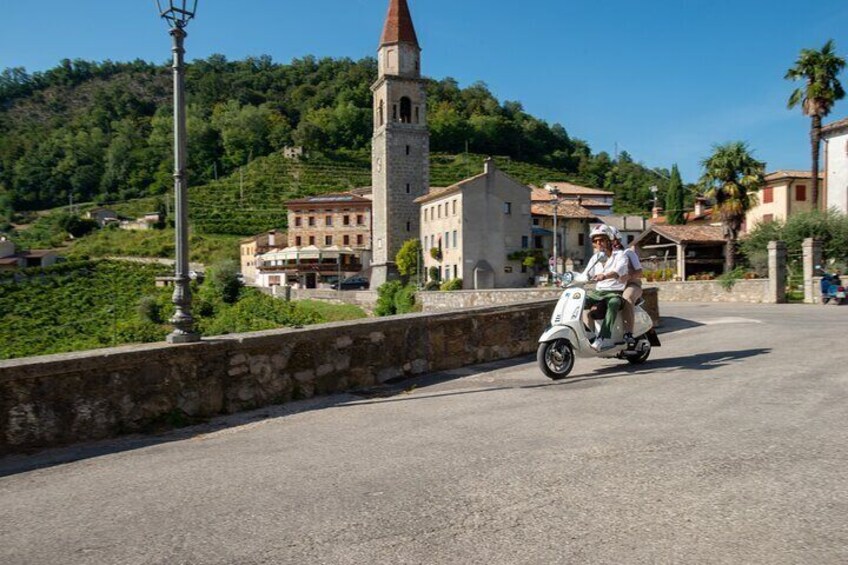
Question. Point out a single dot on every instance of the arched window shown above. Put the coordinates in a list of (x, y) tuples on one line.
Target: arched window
[(405, 110), (380, 114)]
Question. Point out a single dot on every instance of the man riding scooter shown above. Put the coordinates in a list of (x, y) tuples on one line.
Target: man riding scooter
[(608, 268)]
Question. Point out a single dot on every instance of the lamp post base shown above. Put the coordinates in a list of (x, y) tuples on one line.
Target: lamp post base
[(182, 337)]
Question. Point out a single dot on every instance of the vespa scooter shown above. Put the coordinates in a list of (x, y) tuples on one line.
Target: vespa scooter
[(568, 336)]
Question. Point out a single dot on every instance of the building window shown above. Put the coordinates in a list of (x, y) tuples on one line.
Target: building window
[(581, 239), (406, 110), (417, 115), (454, 239), (535, 221), (768, 195), (439, 211), (346, 220), (328, 220), (408, 226), (359, 239), (380, 113), (507, 208), (801, 193), (311, 240), (360, 219), (407, 149), (408, 188), (297, 221), (311, 221), (630, 239), (447, 240), (525, 242), (454, 207), (328, 240), (298, 241)]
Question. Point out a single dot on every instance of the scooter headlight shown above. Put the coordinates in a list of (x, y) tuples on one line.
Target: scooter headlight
[(567, 278)]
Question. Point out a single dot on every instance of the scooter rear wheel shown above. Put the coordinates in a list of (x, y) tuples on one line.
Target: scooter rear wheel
[(555, 358)]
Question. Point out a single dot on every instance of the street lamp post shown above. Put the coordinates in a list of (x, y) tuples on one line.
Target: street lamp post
[(178, 13), (554, 191)]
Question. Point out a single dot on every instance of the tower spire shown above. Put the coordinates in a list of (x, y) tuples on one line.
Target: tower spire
[(398, 27)]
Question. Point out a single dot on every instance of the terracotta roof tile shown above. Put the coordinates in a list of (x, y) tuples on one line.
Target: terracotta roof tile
[(834, 126), (791, 174), (690, 234), (398, 27), (564, 210)]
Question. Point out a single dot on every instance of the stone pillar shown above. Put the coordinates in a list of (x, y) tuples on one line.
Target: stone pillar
[(812, 257), (777, 272), (681, 261)]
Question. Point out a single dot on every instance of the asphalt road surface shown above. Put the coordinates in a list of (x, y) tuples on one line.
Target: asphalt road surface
[(728, 446)]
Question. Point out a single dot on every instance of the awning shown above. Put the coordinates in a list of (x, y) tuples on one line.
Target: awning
[(542, 231)]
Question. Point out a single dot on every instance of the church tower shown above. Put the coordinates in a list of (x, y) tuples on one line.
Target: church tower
[(400, 154)]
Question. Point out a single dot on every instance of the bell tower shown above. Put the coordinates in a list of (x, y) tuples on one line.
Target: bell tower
[(400, 154)]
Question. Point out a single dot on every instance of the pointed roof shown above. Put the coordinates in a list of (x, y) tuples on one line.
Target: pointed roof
[(398, 27)]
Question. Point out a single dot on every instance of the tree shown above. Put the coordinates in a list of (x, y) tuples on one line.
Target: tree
[(731, 176), (674, 200), (409, 258), (819, 69)]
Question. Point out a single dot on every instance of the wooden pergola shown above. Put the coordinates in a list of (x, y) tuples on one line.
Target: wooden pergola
[(691, 249)]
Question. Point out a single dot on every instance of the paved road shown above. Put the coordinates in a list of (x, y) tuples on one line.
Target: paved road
[(728, 447)]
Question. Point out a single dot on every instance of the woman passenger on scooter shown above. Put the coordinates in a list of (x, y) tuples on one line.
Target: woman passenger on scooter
[(608, 268), (633, 291)]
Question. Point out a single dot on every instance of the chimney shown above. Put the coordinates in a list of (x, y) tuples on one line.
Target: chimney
[(656, 212), (580, 200), (489, 166), (699, 207), (272, 239)]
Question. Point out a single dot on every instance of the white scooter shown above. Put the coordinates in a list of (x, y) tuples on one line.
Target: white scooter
[(568, 337)]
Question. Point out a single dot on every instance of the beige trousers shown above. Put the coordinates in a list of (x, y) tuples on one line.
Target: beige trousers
[(632, 294)]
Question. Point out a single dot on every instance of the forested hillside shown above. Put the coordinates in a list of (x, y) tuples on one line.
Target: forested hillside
[(101, 132)]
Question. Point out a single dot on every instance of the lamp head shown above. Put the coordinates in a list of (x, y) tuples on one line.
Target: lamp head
[(177, 12)]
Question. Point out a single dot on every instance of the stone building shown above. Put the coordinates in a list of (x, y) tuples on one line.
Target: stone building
[(474, 226), (834, 192), (573, 222), (400, 160), (597, 201)]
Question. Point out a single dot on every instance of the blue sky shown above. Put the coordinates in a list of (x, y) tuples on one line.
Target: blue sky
[(661, 79)]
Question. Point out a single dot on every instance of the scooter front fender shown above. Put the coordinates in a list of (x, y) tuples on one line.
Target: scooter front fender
[(559, 332)]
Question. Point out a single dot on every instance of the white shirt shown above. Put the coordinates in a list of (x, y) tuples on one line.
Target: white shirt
[(617, 264), (633, 257)]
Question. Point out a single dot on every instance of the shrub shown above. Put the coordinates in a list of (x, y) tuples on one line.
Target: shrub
[(436, 253), (223, 279), (729, 279), (453, 284), (386, 298), (434, 274), (149, 310), (432, 285), (405, 300)]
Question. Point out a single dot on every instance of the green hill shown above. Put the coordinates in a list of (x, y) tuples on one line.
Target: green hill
[(102, 133), (91, 304)]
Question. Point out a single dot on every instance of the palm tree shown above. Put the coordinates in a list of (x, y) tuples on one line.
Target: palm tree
[(731, 178), (819, 69)]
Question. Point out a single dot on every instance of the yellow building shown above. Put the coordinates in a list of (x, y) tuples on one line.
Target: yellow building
[(785, 193)]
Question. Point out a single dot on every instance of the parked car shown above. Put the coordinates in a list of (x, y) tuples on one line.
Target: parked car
[(352, 283)]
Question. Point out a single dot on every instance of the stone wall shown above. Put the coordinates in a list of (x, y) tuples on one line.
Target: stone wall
[(61, 399), (748, 291), (463, 299)]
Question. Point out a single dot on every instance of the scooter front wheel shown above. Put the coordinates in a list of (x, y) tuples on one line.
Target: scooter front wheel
[(555, 358)]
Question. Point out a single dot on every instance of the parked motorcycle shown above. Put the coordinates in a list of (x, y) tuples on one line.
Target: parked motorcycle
[(568, 337), (835, 291)]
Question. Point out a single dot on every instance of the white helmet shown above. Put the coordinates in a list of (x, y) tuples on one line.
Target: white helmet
[(601, 230), (615, 233)]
